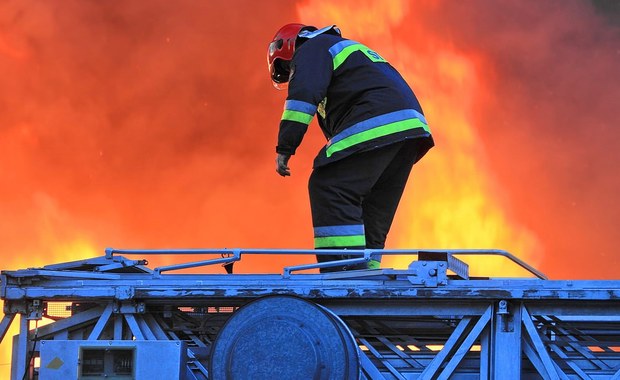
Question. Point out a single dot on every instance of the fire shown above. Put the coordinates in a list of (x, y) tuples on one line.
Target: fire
[(153, 125), (453, 200)]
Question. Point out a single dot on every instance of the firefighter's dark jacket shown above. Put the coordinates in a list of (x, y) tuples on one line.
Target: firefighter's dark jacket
[(362, 102)]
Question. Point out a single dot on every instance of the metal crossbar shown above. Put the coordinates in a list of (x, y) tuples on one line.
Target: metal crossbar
[(233, 255)]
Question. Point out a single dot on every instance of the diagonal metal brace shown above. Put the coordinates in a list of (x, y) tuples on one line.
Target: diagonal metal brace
[(5, 324), (327, 264)]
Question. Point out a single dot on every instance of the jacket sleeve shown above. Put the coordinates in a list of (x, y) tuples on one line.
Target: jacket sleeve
[(311, 71)]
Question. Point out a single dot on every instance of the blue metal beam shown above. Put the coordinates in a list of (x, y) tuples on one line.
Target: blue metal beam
[(6, 323), (431, 370), (541, 351), (465, 346), (506, 341), (534, 358), (20, 350), (133, 326), (369, 368), (101, 322), (145, 286), (79, 319)]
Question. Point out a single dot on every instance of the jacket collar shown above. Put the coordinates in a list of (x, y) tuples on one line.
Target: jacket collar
[(332, 29)]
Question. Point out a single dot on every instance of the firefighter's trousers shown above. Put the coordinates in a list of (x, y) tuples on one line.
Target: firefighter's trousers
[(353, 200)]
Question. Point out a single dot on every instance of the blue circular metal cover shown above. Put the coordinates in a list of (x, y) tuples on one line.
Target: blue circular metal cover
[(284, 337)]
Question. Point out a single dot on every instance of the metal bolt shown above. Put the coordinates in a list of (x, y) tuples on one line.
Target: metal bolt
[(502, 307)]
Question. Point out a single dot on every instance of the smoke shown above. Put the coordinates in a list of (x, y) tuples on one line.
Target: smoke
[(547, 119), (521, 99), (153, 125), (139, 124)]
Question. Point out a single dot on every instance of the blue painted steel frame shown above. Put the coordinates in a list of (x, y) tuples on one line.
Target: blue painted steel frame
[(484, 328)]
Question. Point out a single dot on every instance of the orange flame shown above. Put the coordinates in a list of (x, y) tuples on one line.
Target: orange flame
[(453, 201), (152, 125)]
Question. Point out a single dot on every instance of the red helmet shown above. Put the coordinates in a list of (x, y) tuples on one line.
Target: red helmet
[(280, 54)]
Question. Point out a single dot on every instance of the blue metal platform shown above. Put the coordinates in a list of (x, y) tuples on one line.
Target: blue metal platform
[(114, 317)]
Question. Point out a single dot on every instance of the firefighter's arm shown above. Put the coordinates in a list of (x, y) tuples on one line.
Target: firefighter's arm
[(311, 72)]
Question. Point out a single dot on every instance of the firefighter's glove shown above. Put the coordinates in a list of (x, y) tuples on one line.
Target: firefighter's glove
[(282, 164)]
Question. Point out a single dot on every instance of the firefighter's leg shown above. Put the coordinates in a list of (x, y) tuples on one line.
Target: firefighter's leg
[(336, 193), (336, 215), (379, 206)]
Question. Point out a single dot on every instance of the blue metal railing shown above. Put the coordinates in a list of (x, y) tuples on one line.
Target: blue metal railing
[(233, 255)]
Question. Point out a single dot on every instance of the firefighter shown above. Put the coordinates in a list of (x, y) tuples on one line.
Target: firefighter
[(375, 129)]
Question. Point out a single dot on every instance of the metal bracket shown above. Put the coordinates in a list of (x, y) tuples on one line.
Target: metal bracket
[(431, 268), (129, 308), (428, 273), (458, 267), (35, 310), (506, 317), (15, 307), (121, 263)]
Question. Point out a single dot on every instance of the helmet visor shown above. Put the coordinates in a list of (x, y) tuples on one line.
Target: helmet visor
[(281, 72)]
